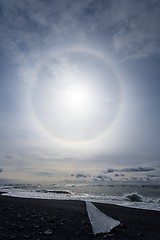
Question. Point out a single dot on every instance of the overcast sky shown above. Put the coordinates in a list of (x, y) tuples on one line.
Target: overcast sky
[(79, 89)]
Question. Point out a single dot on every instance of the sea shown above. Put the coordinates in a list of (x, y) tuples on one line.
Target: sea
[(128, 195)]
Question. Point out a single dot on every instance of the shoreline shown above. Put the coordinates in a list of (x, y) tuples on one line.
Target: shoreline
[(26, 218)]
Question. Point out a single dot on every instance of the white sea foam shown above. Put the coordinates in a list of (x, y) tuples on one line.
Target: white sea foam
[(133, 200)]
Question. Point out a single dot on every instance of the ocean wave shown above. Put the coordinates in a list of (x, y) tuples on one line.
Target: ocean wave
[(134, 197)]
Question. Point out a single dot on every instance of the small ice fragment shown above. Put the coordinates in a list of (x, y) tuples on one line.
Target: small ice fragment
[(48, 232), (101, 223)]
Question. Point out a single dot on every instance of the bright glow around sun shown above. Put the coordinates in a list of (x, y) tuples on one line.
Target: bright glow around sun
[(76, 96), (70, 95)]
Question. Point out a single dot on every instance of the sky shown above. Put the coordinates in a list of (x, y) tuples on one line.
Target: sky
[(79, 90)]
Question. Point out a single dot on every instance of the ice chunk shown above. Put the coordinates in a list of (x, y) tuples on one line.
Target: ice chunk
[(101, 223)]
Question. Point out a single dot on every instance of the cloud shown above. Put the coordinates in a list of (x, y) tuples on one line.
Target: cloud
[(101, 178), (44, 174), (137, 35), (131, 34), (1, 170), (28, 25), (9, 155), (81, 175), (135, 169), (116, 175)]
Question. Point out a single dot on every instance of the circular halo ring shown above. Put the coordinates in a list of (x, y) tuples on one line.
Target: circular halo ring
[(104, 60)]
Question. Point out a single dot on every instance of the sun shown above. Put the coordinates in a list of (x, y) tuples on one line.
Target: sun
[(76, 96), (70, 92)]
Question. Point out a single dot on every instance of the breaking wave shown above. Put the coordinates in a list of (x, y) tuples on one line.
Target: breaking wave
[(134, 197)]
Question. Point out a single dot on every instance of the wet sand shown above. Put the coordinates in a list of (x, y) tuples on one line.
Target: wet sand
[(37, 219)]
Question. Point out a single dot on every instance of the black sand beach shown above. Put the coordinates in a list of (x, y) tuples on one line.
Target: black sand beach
[(56, 219)]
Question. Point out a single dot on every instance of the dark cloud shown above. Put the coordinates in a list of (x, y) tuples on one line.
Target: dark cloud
[(9, 156), (44, 174), (136, 169), (116, 175), (81, 175)]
